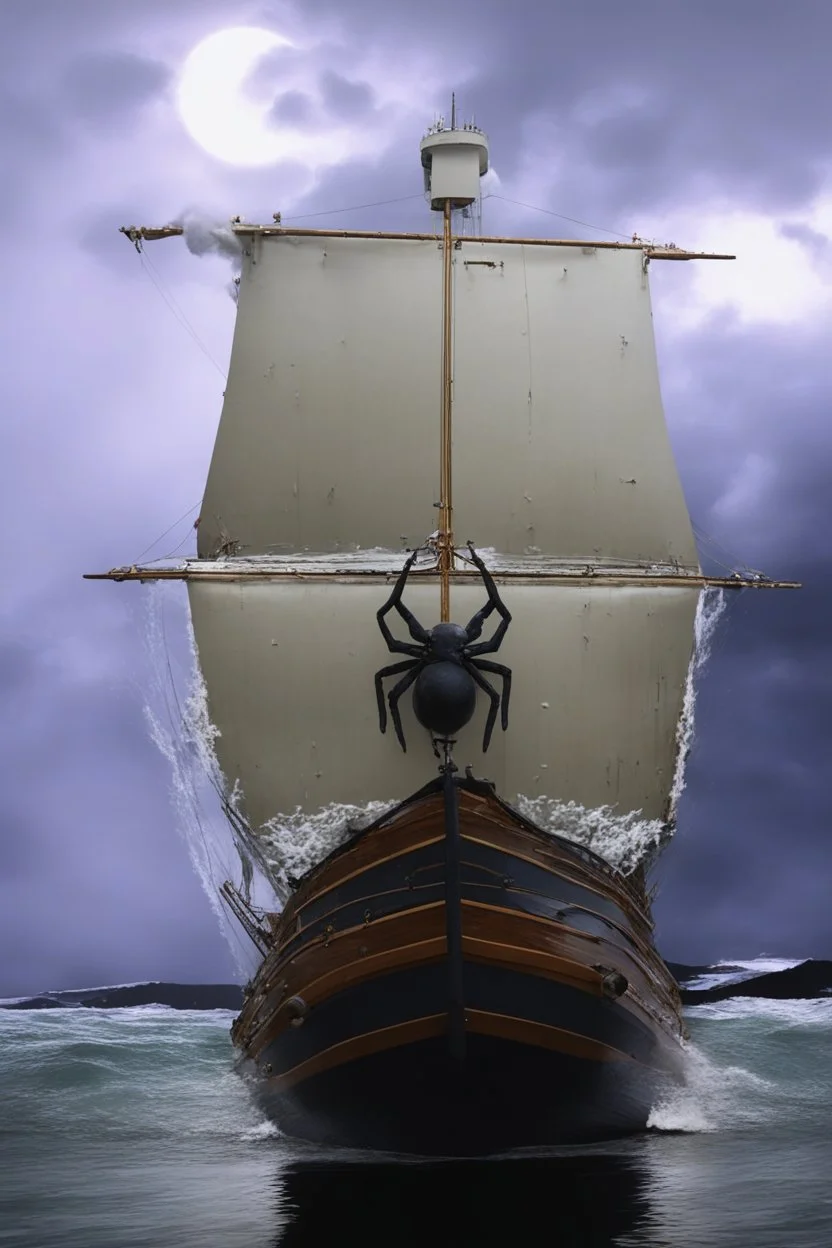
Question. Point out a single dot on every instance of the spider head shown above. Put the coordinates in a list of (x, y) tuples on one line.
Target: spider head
[(447, 642)]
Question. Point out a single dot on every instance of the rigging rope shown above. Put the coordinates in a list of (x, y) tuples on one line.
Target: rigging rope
[(331, 212), (574, 220), (168, 530), (176, 311), (712, 546)]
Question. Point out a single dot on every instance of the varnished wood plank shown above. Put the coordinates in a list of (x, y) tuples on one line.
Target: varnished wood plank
[(491, 936), (333, 952), (355, 870), (511, 928), (421, 823), (485, 821), (491, 826), (545, 924), (540, 1035), (478, 1022), (358, 972), (329, 953), (362, 1046)]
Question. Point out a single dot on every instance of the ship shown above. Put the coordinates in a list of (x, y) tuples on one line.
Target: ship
[(444, 603)]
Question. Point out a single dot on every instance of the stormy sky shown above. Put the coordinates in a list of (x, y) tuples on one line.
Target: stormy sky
[(700, 122)]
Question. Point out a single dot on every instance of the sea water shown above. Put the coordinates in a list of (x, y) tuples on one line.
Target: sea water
[(130, 1127)]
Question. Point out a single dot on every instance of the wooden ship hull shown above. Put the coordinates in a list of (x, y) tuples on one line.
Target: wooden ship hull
[(455, 981)]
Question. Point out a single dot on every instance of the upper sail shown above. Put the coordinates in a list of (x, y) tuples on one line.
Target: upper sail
[(329, 437)]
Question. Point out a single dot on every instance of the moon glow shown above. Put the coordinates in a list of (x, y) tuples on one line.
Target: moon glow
[(232, 126)]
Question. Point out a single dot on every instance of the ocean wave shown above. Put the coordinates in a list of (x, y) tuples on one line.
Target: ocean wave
[(789, 1011), (736, 970), (712, 1098)]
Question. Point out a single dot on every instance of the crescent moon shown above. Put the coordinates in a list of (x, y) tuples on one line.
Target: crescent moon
[(218, 116)]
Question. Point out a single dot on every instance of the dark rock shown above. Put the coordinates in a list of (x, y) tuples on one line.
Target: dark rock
[(33, 1003), (177, 996), (810, 979), (682, 973)]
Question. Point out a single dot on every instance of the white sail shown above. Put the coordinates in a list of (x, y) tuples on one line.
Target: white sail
[(329, 437), (329, 432), (598, 682), (329, 443)]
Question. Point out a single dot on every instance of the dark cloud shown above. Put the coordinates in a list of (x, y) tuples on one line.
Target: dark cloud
[(817, 244), (94, 885), (105, 89), (293, 107), (346, 100), (745, 874)]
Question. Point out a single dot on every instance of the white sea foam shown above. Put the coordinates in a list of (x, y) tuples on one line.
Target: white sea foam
[(736, 971), (789, 1012), (709, 611), (294, 844), (712, 1097), (262, 1131), (624, 841)]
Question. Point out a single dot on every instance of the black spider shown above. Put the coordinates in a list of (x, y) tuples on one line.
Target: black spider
[(444, 665)]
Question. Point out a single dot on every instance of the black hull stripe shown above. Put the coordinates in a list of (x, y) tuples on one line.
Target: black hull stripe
[(558, 909), (421, 991), (481, 864)]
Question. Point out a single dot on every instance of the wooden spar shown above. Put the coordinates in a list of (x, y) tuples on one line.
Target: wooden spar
[(653, 252), (150, 233), (613, 580), (446, 521)]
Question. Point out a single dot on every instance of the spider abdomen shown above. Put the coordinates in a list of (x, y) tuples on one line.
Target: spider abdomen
[(444, 698)]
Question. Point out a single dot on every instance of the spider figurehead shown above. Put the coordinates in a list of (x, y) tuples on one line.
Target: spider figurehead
[(444, 665)]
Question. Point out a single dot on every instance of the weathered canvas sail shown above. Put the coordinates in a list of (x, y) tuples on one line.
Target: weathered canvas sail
[(329, 438), (598, 679), (329, 442)]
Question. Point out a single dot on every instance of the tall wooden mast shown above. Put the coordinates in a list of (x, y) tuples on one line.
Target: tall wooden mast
[(454, 160)]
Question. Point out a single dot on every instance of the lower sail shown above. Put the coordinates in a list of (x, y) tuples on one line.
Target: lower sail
[(454, 981)]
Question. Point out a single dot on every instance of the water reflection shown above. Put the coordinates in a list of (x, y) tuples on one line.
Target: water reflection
[(585, 1200)]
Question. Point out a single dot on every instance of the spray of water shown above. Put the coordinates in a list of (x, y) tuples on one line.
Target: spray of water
[(624, 841), (709, 611), (205, 236), (181, 728), (294, 844), (712, 1097)]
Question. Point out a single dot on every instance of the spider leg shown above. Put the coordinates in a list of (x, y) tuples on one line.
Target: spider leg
[(392, 670), (418, 633), (499, 669), (495, 702), (495, 603), (393, 698)]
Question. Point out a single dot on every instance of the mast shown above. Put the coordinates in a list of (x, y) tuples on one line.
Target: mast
[(454, 161), (446, 515)]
